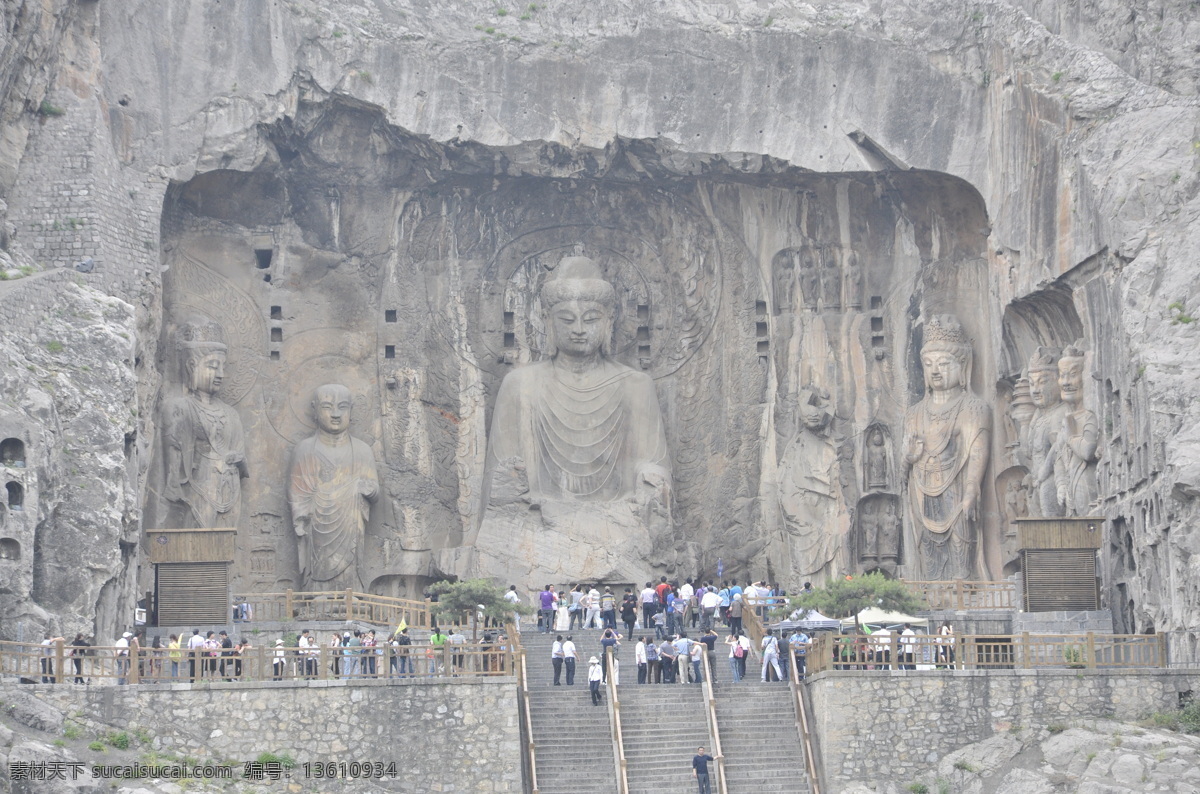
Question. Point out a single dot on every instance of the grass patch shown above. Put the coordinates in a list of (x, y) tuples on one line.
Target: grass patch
[(120, 740), (1056, 728), (1185, 720), (283, 759), (963, 765), (96, 746), (46, 109), (918, 788), (71, 731), (54, 346)]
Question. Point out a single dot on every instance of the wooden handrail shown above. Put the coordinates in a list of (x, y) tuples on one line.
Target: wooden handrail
[(810, 760), (526, 718), (713, 729), (614, 716)]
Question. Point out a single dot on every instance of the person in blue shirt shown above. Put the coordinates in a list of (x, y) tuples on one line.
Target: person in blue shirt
[(700, 764)]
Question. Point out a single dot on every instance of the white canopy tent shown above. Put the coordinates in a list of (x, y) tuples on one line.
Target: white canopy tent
[(878, 616)]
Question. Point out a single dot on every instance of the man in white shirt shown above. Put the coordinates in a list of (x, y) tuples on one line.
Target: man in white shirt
[(512, 598), (907, 647), (639, 656), (649, 600), (556, 658), (570, 656), (708, 608), (195, 652), (882, 640)]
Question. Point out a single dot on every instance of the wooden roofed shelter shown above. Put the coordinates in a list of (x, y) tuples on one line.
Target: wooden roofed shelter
[(192, 574)]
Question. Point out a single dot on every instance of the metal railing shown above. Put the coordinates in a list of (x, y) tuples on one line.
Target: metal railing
[(614, 716), (810, 756), (959, 595), (713, 729), (995, 652), (346, 605), (59, 663)]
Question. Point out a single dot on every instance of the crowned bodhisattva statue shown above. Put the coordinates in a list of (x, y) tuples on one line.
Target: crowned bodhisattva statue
[(577, 481), (205, 448), (946, 441)]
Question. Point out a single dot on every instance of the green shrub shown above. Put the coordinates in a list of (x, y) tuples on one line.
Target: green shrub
[(284, 759), (119, 740), (97, 747)]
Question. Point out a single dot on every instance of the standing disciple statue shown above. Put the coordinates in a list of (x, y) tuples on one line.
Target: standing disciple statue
[(333, 485), (205, 447), (947, 437), (808, 493), (1078, 439), (577, 479), (1042, 431)]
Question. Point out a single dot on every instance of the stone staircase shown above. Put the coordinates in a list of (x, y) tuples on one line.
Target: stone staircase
[(571, 737), (762, 747), (662, 725)]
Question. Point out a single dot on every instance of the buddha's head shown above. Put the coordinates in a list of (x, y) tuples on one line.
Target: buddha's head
[(202, 350), (580, 307), (331, 407), (946, 354)]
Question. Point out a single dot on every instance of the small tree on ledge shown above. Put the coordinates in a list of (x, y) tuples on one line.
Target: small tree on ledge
[(846, 597), (475, 597)]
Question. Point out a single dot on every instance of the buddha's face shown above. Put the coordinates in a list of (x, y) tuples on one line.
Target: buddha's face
[(1043, 388), (812, 416), (580, 327), (1070, 379), (207, 372), (943, 371), (332, 408)]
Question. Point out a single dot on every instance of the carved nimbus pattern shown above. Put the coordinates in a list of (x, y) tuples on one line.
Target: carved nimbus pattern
[(201, 290)]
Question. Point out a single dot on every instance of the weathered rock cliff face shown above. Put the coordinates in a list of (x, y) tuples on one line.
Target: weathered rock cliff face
[(782, 194)]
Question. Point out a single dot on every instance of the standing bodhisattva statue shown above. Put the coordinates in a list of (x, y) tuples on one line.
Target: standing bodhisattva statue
[(332, 487), (205, 449), (946, 442), (578, 477)]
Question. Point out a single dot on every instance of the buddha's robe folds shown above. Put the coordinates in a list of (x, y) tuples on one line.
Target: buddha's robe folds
[(577, 482), (331, 490)]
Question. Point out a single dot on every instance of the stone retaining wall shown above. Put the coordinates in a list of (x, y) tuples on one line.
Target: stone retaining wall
[(876, 726), (443, 735)]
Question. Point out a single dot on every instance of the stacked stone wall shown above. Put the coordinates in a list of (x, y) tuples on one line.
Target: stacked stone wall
[(899, 725), (442, 736)]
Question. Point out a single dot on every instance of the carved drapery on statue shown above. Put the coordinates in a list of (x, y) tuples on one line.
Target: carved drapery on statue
[(332, 486), (1077, 445), (205, 450), (1039, 438), (577, 471), (947, 439), (808, 492)]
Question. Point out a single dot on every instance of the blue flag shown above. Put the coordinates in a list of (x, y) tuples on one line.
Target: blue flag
[(720, 568)]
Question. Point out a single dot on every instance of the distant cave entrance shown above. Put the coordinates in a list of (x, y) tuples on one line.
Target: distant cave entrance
[(16, 495), (12, 452), (10, 549)]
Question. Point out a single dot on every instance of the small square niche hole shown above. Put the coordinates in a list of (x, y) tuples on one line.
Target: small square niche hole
[(643, 312), (262, 258), (389, 351), (274, 355), (276, 334), (877, 341), (764, 347), (876, 302), (877, 324), (510, 339), (760, 329), (276, 312), (389, 316), (267, 278), (508, 319), (760, 308)]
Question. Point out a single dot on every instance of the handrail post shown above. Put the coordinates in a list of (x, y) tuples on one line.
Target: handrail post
[(131, 675), (1026, 651), (1091, 650), (810, 762), (1163, 660), (287, 605), (59, 659), (349, 605), (958, 593)]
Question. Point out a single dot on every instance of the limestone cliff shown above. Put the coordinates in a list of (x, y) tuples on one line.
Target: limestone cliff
[(370, 181)]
